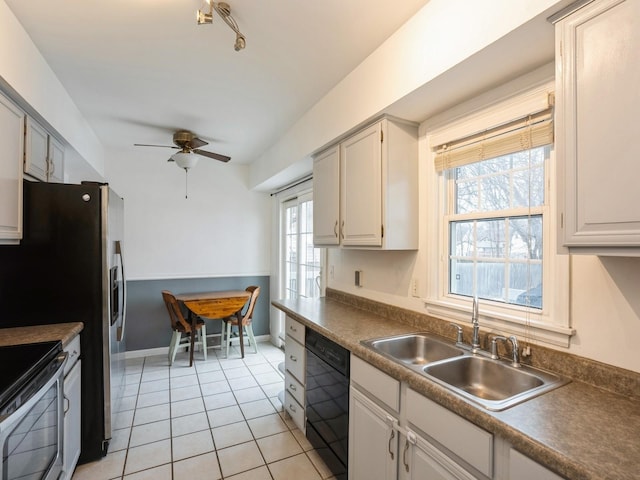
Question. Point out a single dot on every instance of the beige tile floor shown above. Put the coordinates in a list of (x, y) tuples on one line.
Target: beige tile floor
[(218, 420)]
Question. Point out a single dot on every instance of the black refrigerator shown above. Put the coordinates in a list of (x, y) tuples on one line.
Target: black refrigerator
[(69, 268)]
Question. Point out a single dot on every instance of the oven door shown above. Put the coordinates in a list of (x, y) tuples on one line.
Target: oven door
[(31, 427)]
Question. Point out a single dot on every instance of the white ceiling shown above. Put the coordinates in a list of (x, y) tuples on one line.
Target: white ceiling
[(140, 69)]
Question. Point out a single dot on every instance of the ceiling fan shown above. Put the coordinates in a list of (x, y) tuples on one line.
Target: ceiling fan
[(189, 146)]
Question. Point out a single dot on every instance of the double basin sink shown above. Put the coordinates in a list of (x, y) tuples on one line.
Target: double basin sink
[(493, 384)]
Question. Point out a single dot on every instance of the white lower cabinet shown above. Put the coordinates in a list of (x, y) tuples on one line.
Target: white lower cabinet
[(295, 364), (421, 460), (373, 440), (72, 396)]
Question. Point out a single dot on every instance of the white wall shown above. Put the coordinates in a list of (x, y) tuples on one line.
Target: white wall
[(25, 71), (443, 34), (222, 229)]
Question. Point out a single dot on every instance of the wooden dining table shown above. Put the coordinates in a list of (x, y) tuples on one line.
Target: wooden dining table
[(216, 304)]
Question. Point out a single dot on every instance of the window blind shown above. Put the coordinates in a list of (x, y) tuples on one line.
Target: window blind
[(528, 132)]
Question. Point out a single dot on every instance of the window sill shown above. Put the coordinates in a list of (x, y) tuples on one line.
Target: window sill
[(495, 320)]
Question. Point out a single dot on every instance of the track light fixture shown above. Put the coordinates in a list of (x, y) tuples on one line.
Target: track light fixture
[(224, 10)]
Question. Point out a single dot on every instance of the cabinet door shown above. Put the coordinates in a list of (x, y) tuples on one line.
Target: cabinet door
[(421, 460), (326, 197), (598, 100), (361, 188), (36, 150), (71, 420), (12, 141), (56, 161), (373, 440)]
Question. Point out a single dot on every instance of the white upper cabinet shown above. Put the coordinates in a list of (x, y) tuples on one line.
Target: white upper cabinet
[(44, 155), (36, 157), (378, 189), (598, 98), (56, 161), (12, 141), (326, 197)]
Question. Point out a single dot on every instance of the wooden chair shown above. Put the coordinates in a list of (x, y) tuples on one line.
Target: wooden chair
[(181, 326), (243, 322)]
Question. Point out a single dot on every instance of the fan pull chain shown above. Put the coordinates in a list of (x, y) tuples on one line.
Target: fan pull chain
[(186, 183)]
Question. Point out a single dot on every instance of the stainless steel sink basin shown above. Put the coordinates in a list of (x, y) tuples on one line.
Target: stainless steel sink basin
[(494, 384), (414, 349)]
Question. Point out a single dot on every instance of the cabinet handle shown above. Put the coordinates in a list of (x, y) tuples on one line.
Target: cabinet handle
[(335, 229), (393, 435), (293, 358), (292, 408), (404, 455), (342, 230), (292, 387), (68, 404), (292, 328)]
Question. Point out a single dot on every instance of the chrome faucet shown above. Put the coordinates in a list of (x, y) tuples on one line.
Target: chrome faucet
[(515, 354), (475, 341)]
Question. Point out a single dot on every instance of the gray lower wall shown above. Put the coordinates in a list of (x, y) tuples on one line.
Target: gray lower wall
[(148, 324)]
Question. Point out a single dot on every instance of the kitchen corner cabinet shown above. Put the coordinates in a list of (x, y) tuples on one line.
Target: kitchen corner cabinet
[(12, 141), (44, 155), (378, 189), (597, 75)]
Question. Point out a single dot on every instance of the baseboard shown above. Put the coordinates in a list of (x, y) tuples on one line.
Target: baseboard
[(165, 350)]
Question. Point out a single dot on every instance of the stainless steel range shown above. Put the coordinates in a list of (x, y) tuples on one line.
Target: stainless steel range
[(31, 411)]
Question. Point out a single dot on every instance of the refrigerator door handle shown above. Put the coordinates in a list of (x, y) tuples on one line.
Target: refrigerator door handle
[(124, 291)]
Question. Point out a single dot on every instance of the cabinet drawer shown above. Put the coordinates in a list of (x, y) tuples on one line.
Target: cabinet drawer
[(469, 442), (523, 468), (295, 410), (294, 387), (294, 359), (379, 384), (294, 329)]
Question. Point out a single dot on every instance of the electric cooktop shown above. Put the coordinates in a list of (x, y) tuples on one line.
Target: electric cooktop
[(20, 363)]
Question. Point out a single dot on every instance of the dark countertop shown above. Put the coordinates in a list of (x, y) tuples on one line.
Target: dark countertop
[(578, 430), (40, 333)]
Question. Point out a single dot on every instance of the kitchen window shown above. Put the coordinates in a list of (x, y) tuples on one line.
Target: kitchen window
[(491, 219)]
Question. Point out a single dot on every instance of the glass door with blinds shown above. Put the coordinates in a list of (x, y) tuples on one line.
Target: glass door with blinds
[(301, 262)]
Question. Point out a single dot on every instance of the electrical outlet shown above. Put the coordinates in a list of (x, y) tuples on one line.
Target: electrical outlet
[(414, 287), (331, 272), (358, 278)]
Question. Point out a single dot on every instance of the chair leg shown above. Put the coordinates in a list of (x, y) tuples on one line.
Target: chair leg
[(252, 339), (173, 346), (228, 339), (203, 340)]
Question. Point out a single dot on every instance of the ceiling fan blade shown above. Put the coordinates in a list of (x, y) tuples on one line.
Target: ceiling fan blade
[(147, 145), (216, 156), (197, 143)]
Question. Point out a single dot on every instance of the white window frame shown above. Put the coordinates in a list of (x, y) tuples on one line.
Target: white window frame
[(306, 196), (552, 323)]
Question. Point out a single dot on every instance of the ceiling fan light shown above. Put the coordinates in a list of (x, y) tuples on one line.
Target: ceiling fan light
[(185, 160), (240, 42)]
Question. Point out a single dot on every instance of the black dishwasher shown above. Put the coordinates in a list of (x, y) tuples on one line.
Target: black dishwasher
[(327, 401)]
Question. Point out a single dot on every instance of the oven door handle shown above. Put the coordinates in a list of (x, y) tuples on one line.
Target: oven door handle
[(7, 423)]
